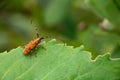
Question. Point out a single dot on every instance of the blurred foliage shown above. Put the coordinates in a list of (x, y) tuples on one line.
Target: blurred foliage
[(93, 23), (107, 9)]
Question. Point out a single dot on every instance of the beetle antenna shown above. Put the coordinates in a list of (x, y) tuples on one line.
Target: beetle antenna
[(36, 29), (37, 33)]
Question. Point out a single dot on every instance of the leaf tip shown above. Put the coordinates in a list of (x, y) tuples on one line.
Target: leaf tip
[(106, 56), (82, 47)]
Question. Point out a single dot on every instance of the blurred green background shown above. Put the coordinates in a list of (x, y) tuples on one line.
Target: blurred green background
[(92, 23)]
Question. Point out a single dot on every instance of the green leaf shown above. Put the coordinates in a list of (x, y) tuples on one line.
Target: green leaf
[(57, 62), (56, 11)]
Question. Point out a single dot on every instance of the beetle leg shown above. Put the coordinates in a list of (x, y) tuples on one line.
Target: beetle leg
[(42, 47)]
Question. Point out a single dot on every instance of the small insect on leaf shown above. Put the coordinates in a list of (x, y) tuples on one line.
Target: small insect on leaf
[(32, 44)]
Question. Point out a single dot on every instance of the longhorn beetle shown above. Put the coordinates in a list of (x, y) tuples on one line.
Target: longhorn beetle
[(32, 44)]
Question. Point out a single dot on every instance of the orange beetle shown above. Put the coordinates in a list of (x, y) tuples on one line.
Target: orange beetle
[(32, 44)]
